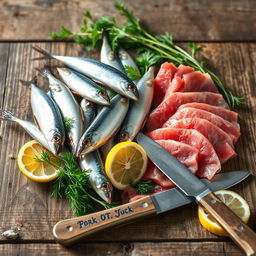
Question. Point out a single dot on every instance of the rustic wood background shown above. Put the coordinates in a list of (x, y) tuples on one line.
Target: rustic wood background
[(226, 29)]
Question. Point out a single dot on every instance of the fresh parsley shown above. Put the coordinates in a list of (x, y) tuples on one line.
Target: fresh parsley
[(151, 48), (132, 72), (68, 123)]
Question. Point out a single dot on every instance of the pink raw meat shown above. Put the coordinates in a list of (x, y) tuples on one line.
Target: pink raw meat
[(226, 114), (208, 161), (219, 139), (169, 106), (223, 124), (162, 81), (192, 82), (182, 70), (186, 154)]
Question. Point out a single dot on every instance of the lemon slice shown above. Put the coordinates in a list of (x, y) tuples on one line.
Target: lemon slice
[(234, 201), (41, 172), (125, 164)]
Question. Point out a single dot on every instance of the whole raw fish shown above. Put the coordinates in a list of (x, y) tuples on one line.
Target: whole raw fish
[(29, 127), (109, 76), (83, 86), (47, 117), (92, 162), (104, 126), (89, 109), (69, 108), (138, 111)]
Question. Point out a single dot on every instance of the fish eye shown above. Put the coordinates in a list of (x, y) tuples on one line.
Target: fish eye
[(86, 141), (56, 139)]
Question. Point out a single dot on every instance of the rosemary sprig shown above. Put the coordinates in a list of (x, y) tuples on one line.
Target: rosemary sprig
[(73, 184), (152, 48)]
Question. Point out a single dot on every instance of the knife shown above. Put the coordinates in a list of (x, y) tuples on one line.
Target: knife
[(193, 187), (72, 230)]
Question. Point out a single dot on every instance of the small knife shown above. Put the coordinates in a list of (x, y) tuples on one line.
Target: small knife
[(193, 187), (72, 230)]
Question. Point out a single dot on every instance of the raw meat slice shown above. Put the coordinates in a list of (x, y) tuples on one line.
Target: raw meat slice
[(226, 114), (208, 161), (169, 106), (192, 82), (186, 154), (219, 139), (162, 81), (223, 124), (182, 70)]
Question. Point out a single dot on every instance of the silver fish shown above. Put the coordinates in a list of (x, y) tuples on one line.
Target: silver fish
[(104, 126), (29, 127), (47, 117), (69, 108), (127, 60), (138, 111), (108, 56), (104, 150), (109, 76), (89, 110), (92, 162), (83, 86)]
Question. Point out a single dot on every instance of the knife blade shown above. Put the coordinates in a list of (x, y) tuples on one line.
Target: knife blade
[(193, 187), (72, 230)]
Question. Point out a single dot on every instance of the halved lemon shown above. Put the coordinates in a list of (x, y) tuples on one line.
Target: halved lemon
[(234, 201), (125, 164), (41, 172)]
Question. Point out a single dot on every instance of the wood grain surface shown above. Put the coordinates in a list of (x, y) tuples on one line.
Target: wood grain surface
[(28, 206), (124, 249), (197, 20)]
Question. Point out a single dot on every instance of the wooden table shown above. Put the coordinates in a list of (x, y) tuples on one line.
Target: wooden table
[(226, 29)]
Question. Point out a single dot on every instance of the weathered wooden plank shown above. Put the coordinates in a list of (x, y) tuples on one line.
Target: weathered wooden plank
[(186, 20), (28, 205), (124, 249)]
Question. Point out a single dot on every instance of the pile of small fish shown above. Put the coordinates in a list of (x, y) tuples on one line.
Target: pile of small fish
[(104, 117)]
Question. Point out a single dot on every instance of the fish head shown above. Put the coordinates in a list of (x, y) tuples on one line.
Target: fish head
[(56, 142), (104, 97), (123, 136), (105, 190), (130, 89), (83, 146)]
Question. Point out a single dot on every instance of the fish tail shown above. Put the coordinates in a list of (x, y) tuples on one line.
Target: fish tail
[(6, 115), (44, 71), (46, 54), (28, 83)]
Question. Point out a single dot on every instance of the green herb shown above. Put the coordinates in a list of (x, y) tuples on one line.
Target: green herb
[(144, 187), (73, 184), (68, 123), (132, 72), (152, 48), (194, 48)]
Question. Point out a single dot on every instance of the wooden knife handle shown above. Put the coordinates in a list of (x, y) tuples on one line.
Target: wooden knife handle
[(234, 226), (69, 231)]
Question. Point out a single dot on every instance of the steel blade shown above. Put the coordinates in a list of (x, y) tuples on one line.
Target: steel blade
[(173, 168), (174, 197)]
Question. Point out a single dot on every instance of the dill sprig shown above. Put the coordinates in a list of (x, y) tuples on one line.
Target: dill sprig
[(73, 184), (144, 187), (152, 48), (68, 123)]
